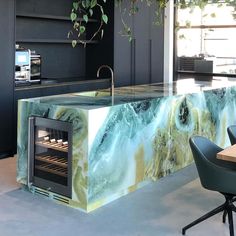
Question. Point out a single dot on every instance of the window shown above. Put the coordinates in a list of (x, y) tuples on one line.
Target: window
[(205, 39)]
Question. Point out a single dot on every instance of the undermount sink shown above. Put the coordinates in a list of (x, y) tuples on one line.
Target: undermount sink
[(99, 93)]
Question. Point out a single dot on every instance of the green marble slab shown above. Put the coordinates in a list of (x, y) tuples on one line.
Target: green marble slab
[(140, 136)]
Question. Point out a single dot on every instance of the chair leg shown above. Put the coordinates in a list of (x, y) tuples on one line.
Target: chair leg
[(224, 216), (231, 223), (204, 217)]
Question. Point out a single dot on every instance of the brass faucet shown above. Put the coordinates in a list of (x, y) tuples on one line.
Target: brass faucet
[(112, 77)]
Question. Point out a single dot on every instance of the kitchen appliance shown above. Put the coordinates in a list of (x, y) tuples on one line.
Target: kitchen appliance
[(22, 64), (35, 67), (50, 155)]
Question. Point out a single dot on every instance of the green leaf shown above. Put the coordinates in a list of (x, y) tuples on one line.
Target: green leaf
[(75, 5), (90, 12), (73, 16), (76, 25), (84, 4), (105, 18), (93, 3), (74, 43), (82, 29), (85, 17), (87, 3)]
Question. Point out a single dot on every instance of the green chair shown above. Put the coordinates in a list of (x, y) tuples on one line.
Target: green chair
[(216, 175), (232, 134)]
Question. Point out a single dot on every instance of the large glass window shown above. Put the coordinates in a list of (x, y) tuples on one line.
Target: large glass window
[(206, 38)]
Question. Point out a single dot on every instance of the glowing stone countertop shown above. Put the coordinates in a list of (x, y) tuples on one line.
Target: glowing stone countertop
[(128, 94), (139, 135)]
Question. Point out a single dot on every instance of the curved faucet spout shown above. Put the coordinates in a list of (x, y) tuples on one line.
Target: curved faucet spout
[(112, 77)]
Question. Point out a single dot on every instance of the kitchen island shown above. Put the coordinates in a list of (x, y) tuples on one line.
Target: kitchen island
[(140, 134)]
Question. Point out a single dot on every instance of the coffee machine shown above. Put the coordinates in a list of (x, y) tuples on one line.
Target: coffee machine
[(22, 64), (35, 67)]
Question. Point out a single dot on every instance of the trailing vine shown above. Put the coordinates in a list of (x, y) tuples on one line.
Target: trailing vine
[(83, 11), (133, 8)]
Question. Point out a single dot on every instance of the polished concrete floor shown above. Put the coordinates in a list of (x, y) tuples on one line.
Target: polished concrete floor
[(158, 209)]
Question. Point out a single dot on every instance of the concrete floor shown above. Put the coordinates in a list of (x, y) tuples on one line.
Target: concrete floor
[(161, 209)]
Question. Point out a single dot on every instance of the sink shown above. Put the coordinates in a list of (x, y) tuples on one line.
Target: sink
[(99, 93)]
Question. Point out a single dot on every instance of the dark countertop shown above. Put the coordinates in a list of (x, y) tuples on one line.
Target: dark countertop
[(50, 83)]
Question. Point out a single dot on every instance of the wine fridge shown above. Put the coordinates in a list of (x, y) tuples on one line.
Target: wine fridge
[(50, 155)]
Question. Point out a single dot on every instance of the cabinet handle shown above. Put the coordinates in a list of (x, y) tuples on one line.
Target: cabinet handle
[(150, 61), (133, 62), (30, 150)]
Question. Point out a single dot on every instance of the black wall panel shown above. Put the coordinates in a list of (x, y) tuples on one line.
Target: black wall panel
[(7, 49), (42, 28), (47, 7), (60, 60)]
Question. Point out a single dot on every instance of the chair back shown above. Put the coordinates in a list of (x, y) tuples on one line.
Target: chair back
[(204, 154), (232, 134)]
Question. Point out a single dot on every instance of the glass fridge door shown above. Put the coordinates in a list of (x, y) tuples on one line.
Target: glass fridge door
[(50, 155)]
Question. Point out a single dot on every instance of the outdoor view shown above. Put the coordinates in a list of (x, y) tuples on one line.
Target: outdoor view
[(206, 39)]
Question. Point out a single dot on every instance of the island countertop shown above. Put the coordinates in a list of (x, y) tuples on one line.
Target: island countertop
[(122, 95), (140, 134)]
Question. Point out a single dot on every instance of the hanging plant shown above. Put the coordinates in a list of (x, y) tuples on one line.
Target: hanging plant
[(133, 8), (83, 11)]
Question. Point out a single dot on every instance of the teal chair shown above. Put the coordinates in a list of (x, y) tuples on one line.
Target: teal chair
[(232, 134), (216, 175)]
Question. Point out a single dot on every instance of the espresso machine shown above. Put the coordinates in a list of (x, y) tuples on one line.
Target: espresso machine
[(22, 64)]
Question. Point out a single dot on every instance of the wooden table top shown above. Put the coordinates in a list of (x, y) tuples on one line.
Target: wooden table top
[(228, 154)]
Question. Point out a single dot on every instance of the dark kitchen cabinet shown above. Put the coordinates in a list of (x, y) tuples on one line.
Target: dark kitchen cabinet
[(7, 49), (156, 49), (59, 59), (122, 50), (42, 26), (141, 60), (141, 45)]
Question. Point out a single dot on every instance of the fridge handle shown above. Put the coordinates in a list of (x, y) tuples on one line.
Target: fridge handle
[(31, 125)]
